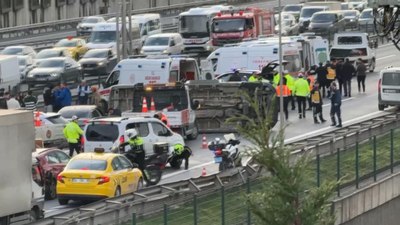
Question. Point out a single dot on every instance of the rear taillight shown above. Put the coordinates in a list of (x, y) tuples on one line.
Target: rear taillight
[(379, 85), (104, 179), (60, 179), (121, 139), (218, 152)]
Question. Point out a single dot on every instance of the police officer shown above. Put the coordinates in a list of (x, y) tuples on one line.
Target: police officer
[(316, 100), (336, 102), (182, 152), (72, 132), (302, 91), (255, 77), (136, 154)]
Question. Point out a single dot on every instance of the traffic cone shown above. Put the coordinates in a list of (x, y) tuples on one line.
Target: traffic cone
[(144, 105), (204, 144), (152, 105), (203, 172), (38, 122)]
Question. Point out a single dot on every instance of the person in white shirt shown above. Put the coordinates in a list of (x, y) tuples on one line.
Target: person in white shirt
[(83, 93), (13, 103)]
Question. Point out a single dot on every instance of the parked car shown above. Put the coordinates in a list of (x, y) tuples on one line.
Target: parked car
[(366, 21), (305, 16), (165, 43), (76, 46), (51, 162), (389, 88), (293, 9), (51, 53), (51, 129), (86, 25), (25, 64), (55, 70), (83, 112), (327, 23), (351, 18), (98, 62), (20, 50), (96, 175)]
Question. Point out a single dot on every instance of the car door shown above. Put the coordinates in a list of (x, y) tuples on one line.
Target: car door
[(160, 132), (144, 132), (118, 174), (131, 176)]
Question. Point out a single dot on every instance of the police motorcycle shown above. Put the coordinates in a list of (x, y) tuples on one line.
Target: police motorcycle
[(227, 152)]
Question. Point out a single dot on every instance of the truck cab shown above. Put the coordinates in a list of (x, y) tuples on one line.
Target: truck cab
[(354, 46)]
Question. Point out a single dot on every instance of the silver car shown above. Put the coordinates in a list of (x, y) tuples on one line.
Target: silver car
[(366, 21)]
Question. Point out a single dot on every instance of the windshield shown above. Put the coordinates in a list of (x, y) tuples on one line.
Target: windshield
[(96, 54), (68, 113), (172, 100), (12, 51), (391, 79), (67, 43), (366, 14), (158, 41), (228, 25), (90, 20), (291, 8), (87, 164), (102, 132), (51, 63), (308, 12), (323, 18), (343, 53), (48, 54), (350, 14), (103, 36), (194, 24)]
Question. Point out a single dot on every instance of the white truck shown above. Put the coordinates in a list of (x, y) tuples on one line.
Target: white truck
[(9, 73), (159, 97), (22, 194), (354, 46)]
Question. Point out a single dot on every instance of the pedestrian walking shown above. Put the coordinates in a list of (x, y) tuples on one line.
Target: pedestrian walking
[(48, 99), (290, 83), (322, 72), (56, 100), (302, 91), (348, 71), (64, 97), (336, 102), (72, 133), (339, 75), (311, 81), (30, 101), (361, 73), (286, 93), (83, 93), (316, 100)]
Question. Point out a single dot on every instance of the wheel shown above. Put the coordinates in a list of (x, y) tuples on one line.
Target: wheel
[(176, 163), (50, 190), (222, 166), (195, 133), (152, 175), (63, 201), (140, 184), (372, 66), (33, 215), (381, 107), (117, 192)]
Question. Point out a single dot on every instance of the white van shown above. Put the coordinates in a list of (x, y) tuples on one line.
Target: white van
[(9, 72), (166, 43), (104, 35), (149, 24), (389, 87)]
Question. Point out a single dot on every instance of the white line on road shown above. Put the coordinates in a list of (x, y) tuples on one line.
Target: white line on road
[(191, 168), (385, 57)]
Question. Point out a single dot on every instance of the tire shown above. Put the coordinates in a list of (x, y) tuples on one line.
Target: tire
[(152, 175), (176, 163), (117, 192), (381, 107), (222, 166), (33, 215), (372, 66), (50, 190), (140, 184), (63, 201), (195, 133)]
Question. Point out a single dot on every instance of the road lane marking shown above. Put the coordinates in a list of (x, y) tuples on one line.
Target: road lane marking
[(385, 57)]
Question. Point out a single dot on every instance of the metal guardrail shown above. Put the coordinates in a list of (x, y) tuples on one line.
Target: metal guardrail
[(151, 200)]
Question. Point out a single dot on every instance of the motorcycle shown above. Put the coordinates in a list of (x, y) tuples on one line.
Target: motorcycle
[(226, 153)]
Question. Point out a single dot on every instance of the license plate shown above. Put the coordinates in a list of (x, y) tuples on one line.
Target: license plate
[(217, 159), (41, 79), (390, 91), (79, 180)]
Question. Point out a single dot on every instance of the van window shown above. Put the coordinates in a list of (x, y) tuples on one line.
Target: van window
[(391, 79), (293, 62), (343, 53), (142, 128), (102, 132), (154, 25), (349, 40), (113, 79)]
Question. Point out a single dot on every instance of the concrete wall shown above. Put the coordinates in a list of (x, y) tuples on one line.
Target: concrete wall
[(369, 203)]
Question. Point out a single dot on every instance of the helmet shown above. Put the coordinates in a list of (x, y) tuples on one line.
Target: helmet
[(74, 117), (178, 147), (131, 133)]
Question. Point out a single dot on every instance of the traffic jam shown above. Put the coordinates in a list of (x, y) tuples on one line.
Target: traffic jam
[(96, 141)]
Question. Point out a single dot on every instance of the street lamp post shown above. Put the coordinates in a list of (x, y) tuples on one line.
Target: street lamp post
[(281, 114)]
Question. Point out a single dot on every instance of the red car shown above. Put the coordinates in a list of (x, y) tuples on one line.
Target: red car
[(51, 162)]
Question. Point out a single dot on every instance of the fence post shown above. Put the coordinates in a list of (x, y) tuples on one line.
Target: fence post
[(248, 207), (357, 172), (165, 214), (338, 170), (222, 205), (391, 151), (195, 209), (134, 218), (374, 158), (318, 170)]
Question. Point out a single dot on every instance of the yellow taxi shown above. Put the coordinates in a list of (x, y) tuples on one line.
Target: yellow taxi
[(76, 46), (97, 175)]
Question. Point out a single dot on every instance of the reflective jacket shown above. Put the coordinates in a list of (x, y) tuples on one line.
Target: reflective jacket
[(285, 92), (164, 119), (178, 149), (301, 87), (72, 131)]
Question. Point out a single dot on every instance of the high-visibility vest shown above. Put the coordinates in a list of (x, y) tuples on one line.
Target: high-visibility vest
[(316, 97), (312, 81), (285, 91), (331, 74)]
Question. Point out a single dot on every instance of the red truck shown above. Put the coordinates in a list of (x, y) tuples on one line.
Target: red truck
[(232, 26)]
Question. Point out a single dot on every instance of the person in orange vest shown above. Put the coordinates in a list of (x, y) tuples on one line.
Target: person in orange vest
[(316, 100), (311, 81), (161, 116), (286, 93)]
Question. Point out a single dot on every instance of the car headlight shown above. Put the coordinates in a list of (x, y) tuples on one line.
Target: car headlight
[(100, 63), (54, 74), (30, 75), (141, 51), (165, 51)]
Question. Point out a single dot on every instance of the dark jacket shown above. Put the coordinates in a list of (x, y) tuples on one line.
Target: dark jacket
[(336, 97), (338, 71), (321, 74), (64, 97), (348, 71), (361, 70), (48, 97)]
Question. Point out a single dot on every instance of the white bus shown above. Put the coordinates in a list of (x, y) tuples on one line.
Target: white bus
[(194, 26)]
